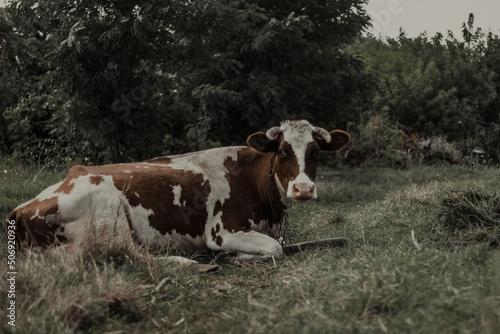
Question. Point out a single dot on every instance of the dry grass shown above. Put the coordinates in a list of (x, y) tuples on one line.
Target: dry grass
[(381, 282)]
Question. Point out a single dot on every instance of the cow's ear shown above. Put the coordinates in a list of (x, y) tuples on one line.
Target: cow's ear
[(259, 142), (339, 140)]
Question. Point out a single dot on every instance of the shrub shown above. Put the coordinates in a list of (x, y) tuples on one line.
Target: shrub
[(438, 150), (376, 141), (484, 144)]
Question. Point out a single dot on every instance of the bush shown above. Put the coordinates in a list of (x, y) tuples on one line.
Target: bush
[(32, 127), (376, 141), (483, 144), (438, 150), (440, 85)]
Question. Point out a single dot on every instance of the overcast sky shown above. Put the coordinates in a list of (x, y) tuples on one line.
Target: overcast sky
[(417, 16)]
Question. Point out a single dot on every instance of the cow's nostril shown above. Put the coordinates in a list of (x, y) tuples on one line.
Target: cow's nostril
[(303, 190)]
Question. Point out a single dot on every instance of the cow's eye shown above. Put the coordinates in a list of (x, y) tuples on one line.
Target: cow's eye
[(282, 153)]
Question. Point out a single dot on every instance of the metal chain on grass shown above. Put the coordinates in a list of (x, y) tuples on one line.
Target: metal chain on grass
[(283, 236)]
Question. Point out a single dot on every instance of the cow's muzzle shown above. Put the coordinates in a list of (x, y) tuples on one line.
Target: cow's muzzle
[(302, 188), (303, 191)]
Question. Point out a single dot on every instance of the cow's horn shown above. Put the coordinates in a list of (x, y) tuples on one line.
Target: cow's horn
[(323, 134), (273, 132)]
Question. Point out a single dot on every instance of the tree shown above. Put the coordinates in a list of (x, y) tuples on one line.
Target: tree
[(97, 90), (280, 60), (120, 80)]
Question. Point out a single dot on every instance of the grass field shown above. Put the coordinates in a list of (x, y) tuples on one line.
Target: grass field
[(421, 258)]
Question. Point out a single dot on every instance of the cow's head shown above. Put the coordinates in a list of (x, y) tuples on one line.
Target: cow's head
[(297, 144)]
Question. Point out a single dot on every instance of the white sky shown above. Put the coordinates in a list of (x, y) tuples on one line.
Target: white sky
[(417, 16)]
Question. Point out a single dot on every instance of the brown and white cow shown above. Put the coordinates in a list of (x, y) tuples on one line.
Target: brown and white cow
[(228, 198)]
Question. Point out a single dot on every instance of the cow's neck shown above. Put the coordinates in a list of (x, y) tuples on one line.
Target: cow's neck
[(267, 189)]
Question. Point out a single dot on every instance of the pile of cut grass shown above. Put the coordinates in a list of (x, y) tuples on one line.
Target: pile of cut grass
[(474, 214), (411, 266)]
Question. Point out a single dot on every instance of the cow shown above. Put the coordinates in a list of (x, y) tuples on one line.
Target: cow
[(222, 199)]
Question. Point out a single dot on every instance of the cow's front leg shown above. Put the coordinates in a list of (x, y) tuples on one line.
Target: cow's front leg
[(250, 245)]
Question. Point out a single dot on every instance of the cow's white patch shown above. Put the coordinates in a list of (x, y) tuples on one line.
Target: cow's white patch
[(263, 227), (90, 208), (299, 135), (177, 194), (36, 215), (209, 164), (252, 245), (139, 218), (86, 198), (127, 171), (283, 192)]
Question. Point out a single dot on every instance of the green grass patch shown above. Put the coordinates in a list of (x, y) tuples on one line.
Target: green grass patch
[(421, 258)]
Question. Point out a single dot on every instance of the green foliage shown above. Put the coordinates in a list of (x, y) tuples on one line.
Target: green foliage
[(279, 62), (440, 151), (439, 86), (377, 141), (117, 80), (378, 133), (19, 183), (36, 125)]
